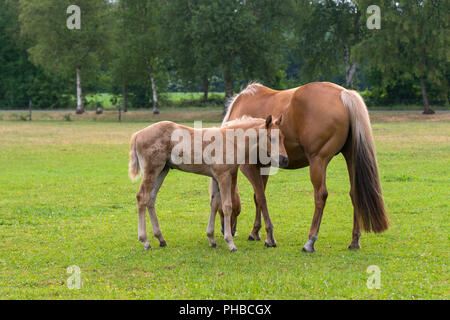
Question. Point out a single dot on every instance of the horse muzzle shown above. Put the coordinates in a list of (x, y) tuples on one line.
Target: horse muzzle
[(283, 161)]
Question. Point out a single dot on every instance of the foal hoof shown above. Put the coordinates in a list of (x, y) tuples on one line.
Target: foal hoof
[(254, 238), (270, 245), (163, 244), (309, 250), (213, 245), (233, 249), (146, 246), (354, 246)]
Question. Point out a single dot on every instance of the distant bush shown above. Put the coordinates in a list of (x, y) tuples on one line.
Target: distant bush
[(192, 100), (407, 93)]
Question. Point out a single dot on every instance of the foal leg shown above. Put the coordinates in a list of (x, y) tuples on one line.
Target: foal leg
[(142, 197), (214, 205), (318, 166), (356, 233), (225, 186), (236, 207), (253, 174), (236, 204), (151, 207)]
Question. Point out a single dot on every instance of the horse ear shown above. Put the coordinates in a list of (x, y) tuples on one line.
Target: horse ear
[(278, 122), (268, 121)]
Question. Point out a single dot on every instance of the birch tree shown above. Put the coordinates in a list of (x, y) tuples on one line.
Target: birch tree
[(143, 40), (67, 40)]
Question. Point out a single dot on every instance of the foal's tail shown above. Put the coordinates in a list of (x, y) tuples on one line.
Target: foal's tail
[(134, 168), (368, 200)]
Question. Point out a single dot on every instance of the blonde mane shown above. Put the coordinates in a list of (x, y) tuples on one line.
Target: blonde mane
[(250, 90), (243, 119)]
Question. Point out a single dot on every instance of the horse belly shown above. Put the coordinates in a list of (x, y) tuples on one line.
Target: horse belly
[(296, 156)]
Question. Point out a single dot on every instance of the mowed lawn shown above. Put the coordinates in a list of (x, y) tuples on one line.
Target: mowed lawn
[(66, 199)]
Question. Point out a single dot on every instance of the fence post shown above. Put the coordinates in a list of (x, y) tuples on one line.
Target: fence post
[(30, 104), (120, 113)]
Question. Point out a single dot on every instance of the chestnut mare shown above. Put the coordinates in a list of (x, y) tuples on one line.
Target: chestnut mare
[(321, 120), (154, 151)]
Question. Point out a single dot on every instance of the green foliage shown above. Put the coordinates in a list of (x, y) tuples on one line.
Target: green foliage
[(413, 43), (324, 35), (243, 38), (203, 45), (59, 50), (21, 81)]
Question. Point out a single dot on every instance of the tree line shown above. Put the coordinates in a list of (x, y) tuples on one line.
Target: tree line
[(138, 49)]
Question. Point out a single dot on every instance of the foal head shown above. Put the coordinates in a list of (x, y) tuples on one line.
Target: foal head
[(275, 139)]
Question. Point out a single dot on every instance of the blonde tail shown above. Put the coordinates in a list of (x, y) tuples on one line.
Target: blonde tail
[(368, 199), (134, 169)]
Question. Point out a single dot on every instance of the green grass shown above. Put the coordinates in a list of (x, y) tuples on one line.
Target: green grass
[(179, 96), (65, 199)]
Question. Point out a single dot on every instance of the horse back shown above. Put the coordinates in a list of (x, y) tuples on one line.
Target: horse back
[(314, 117)]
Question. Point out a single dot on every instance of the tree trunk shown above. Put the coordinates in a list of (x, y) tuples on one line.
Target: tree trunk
[(426, 104), (227, 77), (80, 106), (124, 93), (350, 68), (205, 88), (154, 92)]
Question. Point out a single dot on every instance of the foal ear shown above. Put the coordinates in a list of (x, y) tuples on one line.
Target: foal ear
[(268, 121)]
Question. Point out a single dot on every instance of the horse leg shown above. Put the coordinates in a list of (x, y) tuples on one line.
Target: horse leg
[(356, 233), (225, 186), (214, 205), (318, 166), (253, 175), (236, 204), (151, 207)]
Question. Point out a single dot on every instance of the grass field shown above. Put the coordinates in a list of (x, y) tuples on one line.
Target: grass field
[(65, 199)]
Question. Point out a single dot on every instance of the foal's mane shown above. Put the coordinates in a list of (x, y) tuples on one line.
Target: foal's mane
[(242, 120)]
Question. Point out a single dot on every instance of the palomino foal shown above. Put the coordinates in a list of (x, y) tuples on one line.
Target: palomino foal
[(157, 149)]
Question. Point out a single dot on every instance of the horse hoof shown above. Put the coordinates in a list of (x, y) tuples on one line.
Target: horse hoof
[(233, 249), (163, 244), (254, 238), (309, 250), (147, 246), (213, 245), (354, 247), (270, 245)]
